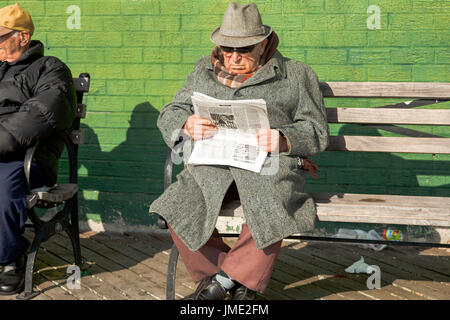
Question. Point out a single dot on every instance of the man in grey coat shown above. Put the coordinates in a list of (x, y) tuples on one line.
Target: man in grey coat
[(245, 64)]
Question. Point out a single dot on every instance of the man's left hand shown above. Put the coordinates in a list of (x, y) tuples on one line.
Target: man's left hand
[(270, 140)]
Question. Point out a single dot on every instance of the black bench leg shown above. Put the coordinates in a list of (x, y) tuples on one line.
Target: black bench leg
[(75, 240), (171, 274), (28, 292)]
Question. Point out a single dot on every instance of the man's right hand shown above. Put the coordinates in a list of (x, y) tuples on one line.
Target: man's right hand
[(199, 128)]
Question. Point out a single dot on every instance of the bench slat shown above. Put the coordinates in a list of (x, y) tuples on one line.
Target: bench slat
[(366, 208), (390, 144), (58, 194), (389, 116), (430, 90), (384, 209)]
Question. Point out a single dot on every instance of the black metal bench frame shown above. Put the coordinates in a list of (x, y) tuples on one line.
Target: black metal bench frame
[(65, 219)]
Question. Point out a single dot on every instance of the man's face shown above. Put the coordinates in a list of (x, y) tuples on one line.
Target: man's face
[(12, 45), (241, 63)]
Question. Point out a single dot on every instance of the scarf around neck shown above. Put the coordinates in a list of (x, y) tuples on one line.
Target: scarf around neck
[(233, 80)]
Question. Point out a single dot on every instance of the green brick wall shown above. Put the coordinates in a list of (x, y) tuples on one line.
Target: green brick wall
[(139, 53)]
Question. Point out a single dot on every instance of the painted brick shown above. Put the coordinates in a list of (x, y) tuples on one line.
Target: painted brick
[(411, 22), (161, 23), (179, 7), (103, 39), (412, 55), (156, 87), (346, 6), (176, 71), (379, 56), (203, 22), (344, 73), (140, 7), (437, 6), (59, 8), (193, 55), (279, 23), (294, 53), (78, 55), (103, 103), (324, 22), (303, 6), (60, 53), (105, 70), (326, 56), (162, 55), (125, 87), (442, 55), (346, 39), (388, 6), (389, 73), (377, 38), (46, 24), (303, 39), (141, 39), (431, 73), (123, 55), (143, 71), (441, 22), (66, 39), (92, 8), (125, 23)]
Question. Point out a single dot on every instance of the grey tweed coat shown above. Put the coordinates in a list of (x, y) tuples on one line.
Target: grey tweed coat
[(275, 205)]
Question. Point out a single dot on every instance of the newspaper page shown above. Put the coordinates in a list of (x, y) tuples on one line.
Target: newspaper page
[(235, 142)]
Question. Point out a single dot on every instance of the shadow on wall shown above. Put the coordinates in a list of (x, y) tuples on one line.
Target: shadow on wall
[(117, 186)]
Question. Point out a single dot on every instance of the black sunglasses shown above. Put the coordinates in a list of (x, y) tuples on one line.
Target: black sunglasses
[(238, 50)]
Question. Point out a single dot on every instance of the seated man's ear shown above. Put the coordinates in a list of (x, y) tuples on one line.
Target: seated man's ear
[(24, 38)]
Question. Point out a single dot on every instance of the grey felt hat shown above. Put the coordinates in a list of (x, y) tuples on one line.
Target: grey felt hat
[(241, 27)]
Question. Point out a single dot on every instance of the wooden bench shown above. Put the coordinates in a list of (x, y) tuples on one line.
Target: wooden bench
[(65, 219), (365, 208)]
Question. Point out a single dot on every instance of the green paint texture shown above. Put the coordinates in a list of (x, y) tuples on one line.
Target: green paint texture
[(139, 52)]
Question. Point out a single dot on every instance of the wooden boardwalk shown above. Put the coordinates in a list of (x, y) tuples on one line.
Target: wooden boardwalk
[(133, 266)]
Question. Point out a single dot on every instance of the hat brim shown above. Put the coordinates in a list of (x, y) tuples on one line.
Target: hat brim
[(4, 31), (237, 42)]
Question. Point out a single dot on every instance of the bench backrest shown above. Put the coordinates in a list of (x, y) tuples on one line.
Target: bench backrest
[(387, 116), (75, 137)]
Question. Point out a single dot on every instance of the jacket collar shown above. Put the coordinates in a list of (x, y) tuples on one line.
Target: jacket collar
[(35, 51), (273, 68)]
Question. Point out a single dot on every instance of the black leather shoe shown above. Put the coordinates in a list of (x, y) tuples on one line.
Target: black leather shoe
[(12, 281), (201, 286), (215, 291), (241, 292)]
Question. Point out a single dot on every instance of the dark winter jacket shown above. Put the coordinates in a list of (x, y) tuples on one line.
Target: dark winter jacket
[(37, 99)]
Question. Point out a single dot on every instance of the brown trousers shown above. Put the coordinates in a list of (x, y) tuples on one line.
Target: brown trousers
[(244, 262)]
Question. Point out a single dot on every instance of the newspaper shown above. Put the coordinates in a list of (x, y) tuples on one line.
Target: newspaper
[(235, 142)]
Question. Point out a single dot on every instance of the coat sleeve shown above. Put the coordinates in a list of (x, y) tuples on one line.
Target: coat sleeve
[(309, 133), (52, 107), (174, 114)]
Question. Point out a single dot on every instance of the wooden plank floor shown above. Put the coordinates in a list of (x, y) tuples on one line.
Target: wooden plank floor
[(133, 266)]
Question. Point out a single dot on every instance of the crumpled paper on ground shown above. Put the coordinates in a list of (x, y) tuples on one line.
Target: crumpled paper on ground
[(360, 267), (361, 234)]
